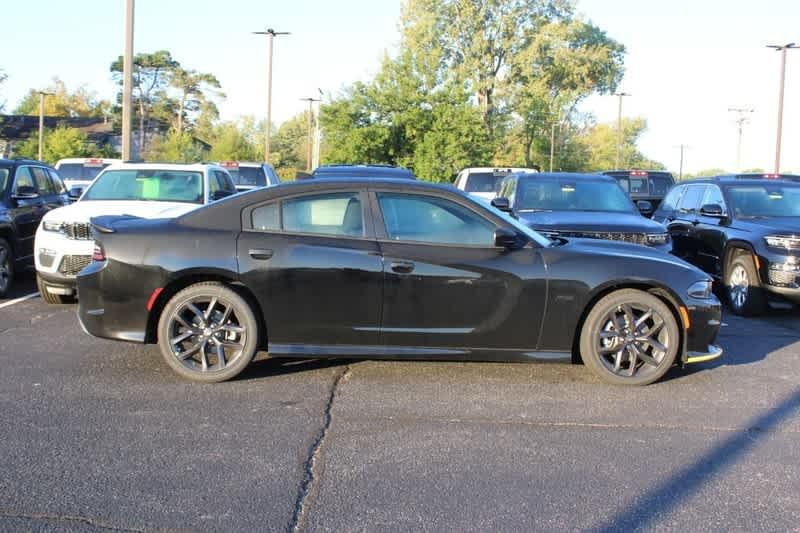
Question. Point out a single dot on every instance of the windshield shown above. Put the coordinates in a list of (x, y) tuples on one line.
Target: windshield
[(541, 240), (147, 184), (248, 176), (79, 171), (483, 181), (3, 178), (537, 194), (765, 200)]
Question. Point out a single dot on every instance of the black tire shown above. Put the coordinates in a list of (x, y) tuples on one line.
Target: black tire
[(616, 336), (190, 339), (743, 287), (6, 267), (49, 297)]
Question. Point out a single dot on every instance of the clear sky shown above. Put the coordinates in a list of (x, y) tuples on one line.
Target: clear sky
[(688, 61)]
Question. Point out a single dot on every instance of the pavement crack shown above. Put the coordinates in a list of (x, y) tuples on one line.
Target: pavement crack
[(4, 513), (309, 468)]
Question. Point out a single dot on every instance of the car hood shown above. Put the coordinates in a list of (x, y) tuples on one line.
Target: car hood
[(590, 221), (775, 224), (82, 211), (628, 251)]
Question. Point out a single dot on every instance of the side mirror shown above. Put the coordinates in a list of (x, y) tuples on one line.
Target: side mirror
[(712, 210), (75, 193), (645, 207), (506, 238), (502, 204), (25, 192), (219, 194)]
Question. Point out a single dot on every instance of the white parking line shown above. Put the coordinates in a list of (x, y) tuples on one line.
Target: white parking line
[(18, 300)]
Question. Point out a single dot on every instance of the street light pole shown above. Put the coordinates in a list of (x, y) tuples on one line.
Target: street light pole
[(270, 33), (741, 120), (782, 49), (127, 82), (310, 140), (42, 94), (619, 128), (317, 134)]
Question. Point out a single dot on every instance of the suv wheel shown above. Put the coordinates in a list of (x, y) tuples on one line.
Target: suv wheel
[(6, 266), (630, 337), (745, 295)]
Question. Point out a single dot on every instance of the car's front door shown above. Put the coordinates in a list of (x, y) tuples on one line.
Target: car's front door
[(446, 284), (28, 209), (682, 228), (315, 267)]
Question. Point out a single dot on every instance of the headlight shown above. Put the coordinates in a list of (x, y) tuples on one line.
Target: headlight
[(48, 225), (657, 238), (788, 242), (700, 290)]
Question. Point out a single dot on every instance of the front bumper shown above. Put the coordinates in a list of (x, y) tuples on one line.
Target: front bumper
[(705, 320), (58, 259), (712, 352), (780, 274)]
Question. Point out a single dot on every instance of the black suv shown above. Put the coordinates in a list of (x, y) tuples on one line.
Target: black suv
[(28, 190), (746, 232), (645, 187), (362, 171), (578, 205)]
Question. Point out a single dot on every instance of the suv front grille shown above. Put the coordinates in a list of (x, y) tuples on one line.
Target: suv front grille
[(78, 230), (72, 264), (635, 238)]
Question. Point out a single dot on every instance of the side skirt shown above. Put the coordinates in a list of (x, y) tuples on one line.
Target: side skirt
[(416, 353)]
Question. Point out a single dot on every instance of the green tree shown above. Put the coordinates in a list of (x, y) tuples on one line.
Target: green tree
[(59, 143), (152, 74), (196, 91), (236, 141), (3, 78), (61, 102), (175, 146), (599, 145), (289, 148)]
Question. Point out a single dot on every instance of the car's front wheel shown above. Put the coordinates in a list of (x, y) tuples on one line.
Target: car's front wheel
[(207, 332), (745, 295), (6, 267), (630, 337)]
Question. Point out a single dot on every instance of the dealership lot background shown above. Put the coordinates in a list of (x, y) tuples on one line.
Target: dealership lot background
[(101, 435)]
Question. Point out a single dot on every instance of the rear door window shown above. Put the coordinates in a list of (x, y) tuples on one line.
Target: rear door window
[(325, 214)]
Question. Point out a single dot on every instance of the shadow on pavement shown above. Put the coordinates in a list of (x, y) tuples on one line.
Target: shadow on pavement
[(687, 482), (259, 369)]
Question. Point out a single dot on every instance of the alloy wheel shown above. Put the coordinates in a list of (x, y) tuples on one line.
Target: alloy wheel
[(633, 341), (738, 286), (205, 334)]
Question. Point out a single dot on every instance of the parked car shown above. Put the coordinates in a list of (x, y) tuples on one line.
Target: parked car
[(78, 172), (362, 171), (578, 205), (484, 182), (394, 269), (150, 190), (248, 175), (744, 232), (28, 190), (646, 188)]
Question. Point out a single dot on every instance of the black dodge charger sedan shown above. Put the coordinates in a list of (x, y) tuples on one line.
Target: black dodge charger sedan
[(392, 269)]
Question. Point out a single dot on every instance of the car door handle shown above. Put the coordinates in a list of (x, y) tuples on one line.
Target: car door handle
[(260, 254), (402, 267)]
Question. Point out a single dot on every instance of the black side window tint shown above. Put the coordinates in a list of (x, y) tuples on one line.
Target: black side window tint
[(57, 182), (23, 181), (671, 200), (42, 181)]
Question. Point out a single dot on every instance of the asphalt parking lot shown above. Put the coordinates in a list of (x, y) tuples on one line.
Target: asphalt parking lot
[(101, 435)]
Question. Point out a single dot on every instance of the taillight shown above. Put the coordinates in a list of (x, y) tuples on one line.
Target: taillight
[(772, 176), (98, 254)]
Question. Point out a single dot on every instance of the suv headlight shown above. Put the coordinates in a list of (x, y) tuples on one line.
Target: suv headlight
[(657, 238), (48, 225), (787, 242), (701, 289)]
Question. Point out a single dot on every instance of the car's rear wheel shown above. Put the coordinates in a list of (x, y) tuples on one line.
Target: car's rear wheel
[(49, 297), (6, 266), (630, 337), (745, 295), (207, 332)]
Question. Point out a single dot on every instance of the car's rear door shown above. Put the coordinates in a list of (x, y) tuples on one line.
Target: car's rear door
[(682, 228), (446, 284), (315, 267), (710, 233)]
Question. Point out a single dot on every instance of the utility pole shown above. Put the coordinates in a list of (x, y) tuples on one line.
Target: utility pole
[(552, 144), (782, 49), (42, 94), (741, 120), (127, 82), (619, 128), (317, 134), (270, 33), (310, 151)]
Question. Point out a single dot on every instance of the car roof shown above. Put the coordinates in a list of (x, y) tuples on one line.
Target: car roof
[(509, 170), (199, 167), (622, 173), (567, 175), (362, 170), (23, 161), (85, 159), (223, 164), (732, 180)]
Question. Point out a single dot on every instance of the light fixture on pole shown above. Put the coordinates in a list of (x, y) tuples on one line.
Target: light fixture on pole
[(782, 49), (42, 94), (741, 120), (619, 128), (270, 33)]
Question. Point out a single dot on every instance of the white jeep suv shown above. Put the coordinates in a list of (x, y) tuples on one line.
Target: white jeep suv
[(64, 242), (483, 182)]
